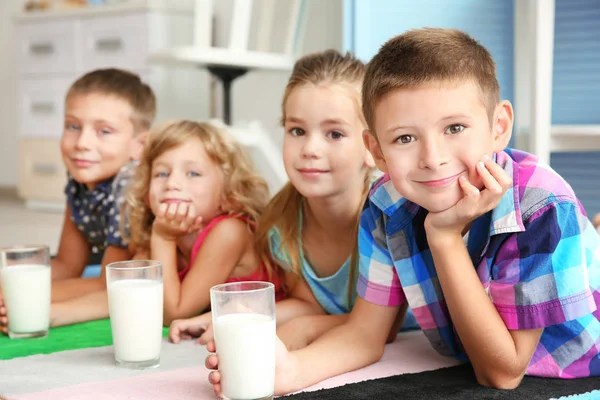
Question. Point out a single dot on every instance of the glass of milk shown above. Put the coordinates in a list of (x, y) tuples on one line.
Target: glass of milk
[(244, 326), (26, 281), (135, 303)]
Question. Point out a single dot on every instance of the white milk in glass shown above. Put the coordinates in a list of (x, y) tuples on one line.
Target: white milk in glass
[(26, 291), (136, 316), (246, 350)]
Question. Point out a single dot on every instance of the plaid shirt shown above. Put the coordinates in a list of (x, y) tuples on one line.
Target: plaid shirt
[(536, 254)]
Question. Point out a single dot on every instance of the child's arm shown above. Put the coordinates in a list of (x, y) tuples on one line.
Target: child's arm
[(499, 356), (116, 247), (303, 303), (73, 251), (300, 301), (220, 253), (72, 288), (300, 318), (302, 331), (81, 309), (353, 345), (86, 307)]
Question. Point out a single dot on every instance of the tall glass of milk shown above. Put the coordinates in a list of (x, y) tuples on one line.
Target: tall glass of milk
[(135, 303), (25, 279), (244, 326)]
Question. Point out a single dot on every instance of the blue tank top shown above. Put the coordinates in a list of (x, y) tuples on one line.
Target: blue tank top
[(331, 291)]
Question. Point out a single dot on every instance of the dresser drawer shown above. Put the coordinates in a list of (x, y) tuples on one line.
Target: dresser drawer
[(47, 47), (117, 41), (42, 174), (41, 107)]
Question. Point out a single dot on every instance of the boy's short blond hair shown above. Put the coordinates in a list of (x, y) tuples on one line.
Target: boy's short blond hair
[(122, 84), (429, 55)]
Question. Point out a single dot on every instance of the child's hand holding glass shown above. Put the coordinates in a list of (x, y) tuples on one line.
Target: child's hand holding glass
[(285, 369)]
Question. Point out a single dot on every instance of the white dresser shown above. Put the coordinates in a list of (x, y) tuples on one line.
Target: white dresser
[(56, 47)]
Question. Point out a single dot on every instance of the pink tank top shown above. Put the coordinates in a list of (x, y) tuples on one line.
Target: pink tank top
[(260, 274)]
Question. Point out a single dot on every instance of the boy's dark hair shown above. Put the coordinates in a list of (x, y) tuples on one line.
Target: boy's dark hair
[(429, 55)]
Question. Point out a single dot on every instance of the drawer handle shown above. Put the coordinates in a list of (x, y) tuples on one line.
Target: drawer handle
[(42, 108), (44, 168), (109, 44), (41, 48)]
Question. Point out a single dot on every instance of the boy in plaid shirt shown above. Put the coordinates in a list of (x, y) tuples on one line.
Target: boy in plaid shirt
[(490, 248)]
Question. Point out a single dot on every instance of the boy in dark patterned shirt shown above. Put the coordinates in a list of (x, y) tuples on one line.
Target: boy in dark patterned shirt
[(107, 114)]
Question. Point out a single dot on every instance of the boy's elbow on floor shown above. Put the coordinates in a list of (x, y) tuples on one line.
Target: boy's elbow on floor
[(500, 381), (376, 353), (391, 337)]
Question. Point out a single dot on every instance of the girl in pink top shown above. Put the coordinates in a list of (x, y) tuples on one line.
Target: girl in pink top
[(193, 207), (260, 274)]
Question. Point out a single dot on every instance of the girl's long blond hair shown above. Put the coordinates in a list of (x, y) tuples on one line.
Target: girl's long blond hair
[(323, 68), (244, 191)]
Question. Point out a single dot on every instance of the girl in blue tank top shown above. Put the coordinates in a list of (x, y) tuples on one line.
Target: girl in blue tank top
[(309, 228)]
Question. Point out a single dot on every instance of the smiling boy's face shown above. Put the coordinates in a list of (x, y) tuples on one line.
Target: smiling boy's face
[(98, 137), (430, 135)]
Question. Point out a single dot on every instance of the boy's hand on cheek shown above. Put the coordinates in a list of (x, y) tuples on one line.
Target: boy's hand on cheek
[(475, 202), (175, 220)]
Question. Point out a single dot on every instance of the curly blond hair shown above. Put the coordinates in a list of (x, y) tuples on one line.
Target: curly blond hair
[(244, 191)]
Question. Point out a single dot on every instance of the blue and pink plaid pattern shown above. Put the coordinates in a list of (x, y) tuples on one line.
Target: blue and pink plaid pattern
[(536, 254)]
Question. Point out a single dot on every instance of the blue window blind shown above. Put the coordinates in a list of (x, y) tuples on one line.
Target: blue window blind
[(576, 86), (576, 75), (372, 22)]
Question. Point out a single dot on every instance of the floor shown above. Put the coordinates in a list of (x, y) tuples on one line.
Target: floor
[(19, 225)]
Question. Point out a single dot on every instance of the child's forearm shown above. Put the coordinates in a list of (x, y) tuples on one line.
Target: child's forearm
[(76, 287), (496, 358), (328, 355), (319, 324), (288, 309), (165, 251), (85, 308), (62, 271)]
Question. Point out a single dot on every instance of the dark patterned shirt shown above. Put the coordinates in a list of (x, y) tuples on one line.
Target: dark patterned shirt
[(97, 212)]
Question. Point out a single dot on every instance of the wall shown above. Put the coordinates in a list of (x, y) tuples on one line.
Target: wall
[(489, 22), (8, 125)]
